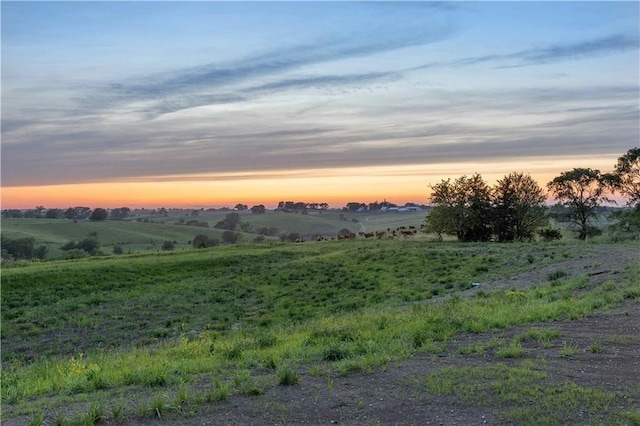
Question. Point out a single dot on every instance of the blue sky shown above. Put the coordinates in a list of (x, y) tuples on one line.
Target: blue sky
[(171, 91)]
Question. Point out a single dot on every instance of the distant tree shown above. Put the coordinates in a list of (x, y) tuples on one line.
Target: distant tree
[(241, 207), (12, 213), (324, 206), (461, 208), (168, 245), (626, 176), (120, 213), (89, 244), (117, 249), (230, 222), (99, 214), (518, 207), (53, 214), (195, 213), (230, 237), (259, 209), (200, 241), (78, 212), (38, 212), (245, 227), (163, 211), (580, 191), (21, 248), (354, 206)]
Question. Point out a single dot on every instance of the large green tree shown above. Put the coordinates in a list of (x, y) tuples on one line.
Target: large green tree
[(519, 208), (580, 191), (461, 208)]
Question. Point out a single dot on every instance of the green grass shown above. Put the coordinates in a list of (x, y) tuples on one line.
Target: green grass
[(526, 396), (248, 317)]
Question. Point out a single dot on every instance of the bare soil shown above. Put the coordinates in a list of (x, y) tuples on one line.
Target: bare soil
[(395, 395)]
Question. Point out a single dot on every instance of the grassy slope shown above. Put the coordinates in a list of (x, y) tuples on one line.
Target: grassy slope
[(161, 320), (136, 237)]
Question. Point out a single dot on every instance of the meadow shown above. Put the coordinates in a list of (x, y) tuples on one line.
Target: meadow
[(146, 232), (176, 335)]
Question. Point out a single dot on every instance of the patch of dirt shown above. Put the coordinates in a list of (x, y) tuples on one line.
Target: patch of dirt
[(394, 397)]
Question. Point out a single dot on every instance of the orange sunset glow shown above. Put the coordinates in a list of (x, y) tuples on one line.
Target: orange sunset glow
[(399, 184)]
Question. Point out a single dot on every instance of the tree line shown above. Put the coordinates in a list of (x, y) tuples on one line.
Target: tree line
[(515, 207)]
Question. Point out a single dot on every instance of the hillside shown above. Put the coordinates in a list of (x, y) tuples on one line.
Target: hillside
[(146, 233), (224, 331)]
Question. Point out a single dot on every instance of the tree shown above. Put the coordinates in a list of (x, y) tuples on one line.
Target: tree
[(518, 208), (354, 206), (200, 241), (13, 213), (230, 237), (230, 222), (461, 208), (168, 245), (53, 214), (626, 176), (99, 214), (120, 213), (21, 249), (259, 209), (77, 212), (580, 191), (241, 207)]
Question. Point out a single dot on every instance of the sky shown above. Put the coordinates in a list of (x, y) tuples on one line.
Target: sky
[(209, 104)]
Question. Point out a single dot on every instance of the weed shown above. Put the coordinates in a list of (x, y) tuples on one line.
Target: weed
[(336, 353), (556, 275), (596, 347), (543, 335), (287, 376), (117, 411), (568, 350), (94, 415), (221, 391), (37, 419), (514, 350), (157, 406), (181, 397)]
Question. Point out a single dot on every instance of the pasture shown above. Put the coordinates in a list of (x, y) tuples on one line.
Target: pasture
[(190, 335), (146, 233)]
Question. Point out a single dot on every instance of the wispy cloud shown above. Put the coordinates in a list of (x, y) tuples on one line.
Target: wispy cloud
[(551, 54)]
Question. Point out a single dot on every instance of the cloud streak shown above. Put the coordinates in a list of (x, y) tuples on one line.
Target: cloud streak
[(603, 46)]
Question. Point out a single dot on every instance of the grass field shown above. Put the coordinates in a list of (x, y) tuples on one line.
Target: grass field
[(140, 236), (79, 338)]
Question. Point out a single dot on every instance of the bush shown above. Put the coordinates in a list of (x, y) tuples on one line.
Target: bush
[(168, 245), (550, 234), (76, 253), (230, 237)]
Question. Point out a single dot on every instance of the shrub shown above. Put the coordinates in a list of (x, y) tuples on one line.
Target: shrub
[(168, 245), (550, 234)]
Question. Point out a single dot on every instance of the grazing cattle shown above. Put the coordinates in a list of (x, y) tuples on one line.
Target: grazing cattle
[(380, 234), (348, 236)]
